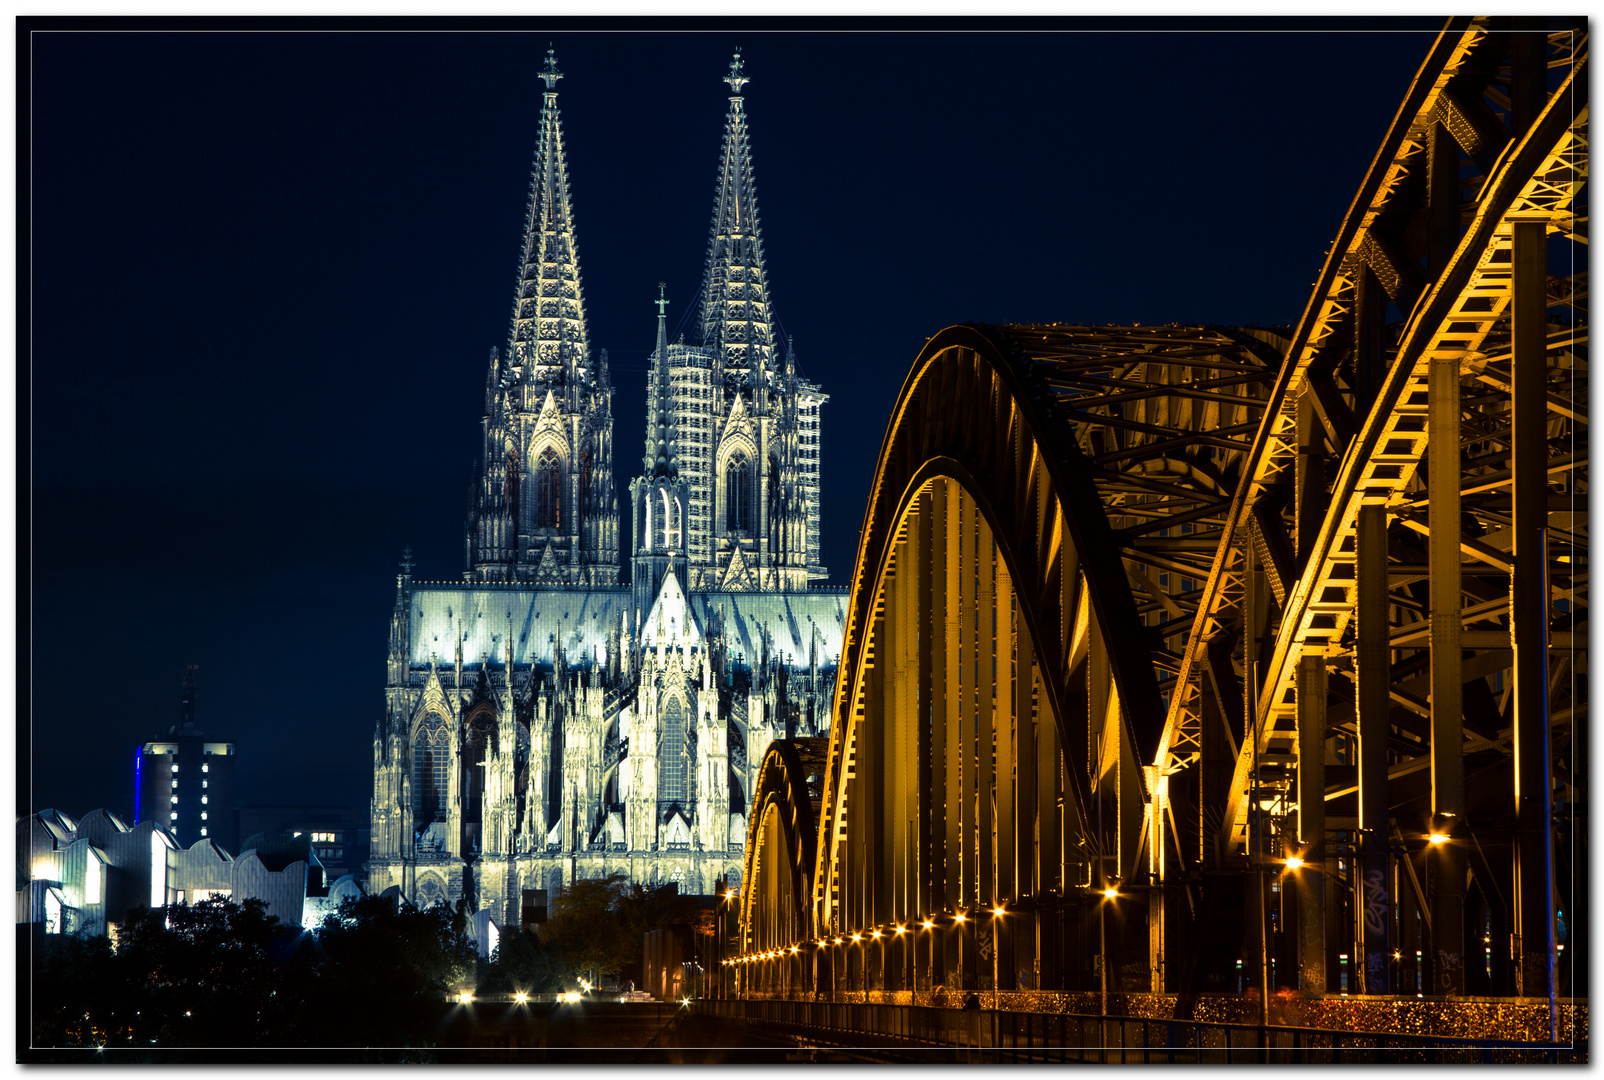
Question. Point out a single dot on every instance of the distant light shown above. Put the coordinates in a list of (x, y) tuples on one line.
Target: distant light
[(876, 933), (857, 937), (901, 929), (958, 917), (929, 924), (521, 998), (464, 998), (1294, 863), (795, 950), (838, 941), (569, 996), (999, 910), (1111, 893), (685, 1001), (1438, 838)]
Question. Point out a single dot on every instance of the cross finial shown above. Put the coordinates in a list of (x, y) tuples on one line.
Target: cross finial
[(551, 74), (736, 78), (661, 301), (406, 560)]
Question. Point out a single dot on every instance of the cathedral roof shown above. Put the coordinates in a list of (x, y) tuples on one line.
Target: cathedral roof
[(735, 291), (548, 318), (671, 619), (788, 620), (580, 619)]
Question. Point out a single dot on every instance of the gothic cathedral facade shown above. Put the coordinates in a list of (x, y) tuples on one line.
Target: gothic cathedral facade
[(545, 721)]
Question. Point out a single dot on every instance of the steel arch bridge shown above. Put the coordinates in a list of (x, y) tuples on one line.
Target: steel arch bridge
[(1188, 658)]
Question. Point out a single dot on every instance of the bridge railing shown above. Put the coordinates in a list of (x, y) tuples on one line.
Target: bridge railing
[(1008, 1036)]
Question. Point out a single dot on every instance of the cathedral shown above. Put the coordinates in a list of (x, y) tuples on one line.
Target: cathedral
[(545, 720)]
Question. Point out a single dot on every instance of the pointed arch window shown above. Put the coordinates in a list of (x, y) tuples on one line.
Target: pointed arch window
[(548, 490), (430, 774), (671, 753), (587, 498), (738, 495), (775, 507)]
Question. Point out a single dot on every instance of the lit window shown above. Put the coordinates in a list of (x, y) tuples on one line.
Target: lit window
[(203, 798), (175, 798), (175, 768), (175, 785), (203, 815), (205, 783), (174, 815), (203, 830), (204, 768), (91, 879)]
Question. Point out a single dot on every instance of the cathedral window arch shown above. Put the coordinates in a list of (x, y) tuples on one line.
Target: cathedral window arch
[(548, 490), (774, 508), (431, 766), (481, 732), (673, 753), (668, 520), (738, 495), (510, 481), (587, 498)]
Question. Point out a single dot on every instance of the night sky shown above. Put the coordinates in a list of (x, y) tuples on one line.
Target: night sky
[(265, 270)]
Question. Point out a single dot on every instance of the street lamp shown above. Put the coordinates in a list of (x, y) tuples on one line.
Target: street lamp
[(1110, 895), (997, 913)]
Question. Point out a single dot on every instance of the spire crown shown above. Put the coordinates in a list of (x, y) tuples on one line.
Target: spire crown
[(737, 77), (550, 75)]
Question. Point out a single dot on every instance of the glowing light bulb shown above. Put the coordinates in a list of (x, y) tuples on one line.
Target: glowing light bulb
[(1438, 838), (1294, 863), (1111, 892), (958, 918)]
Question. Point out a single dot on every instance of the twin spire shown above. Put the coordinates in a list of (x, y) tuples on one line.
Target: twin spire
[(736, 320), (548, 337)]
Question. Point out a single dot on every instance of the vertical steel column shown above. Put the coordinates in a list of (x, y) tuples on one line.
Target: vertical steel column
[(1310, 507), (1005, 724), (1534, 901), (1443, 199), (1447, 712), (1310, 878), (1374, 702), (1256, 940), (1156, 889), (927, 791), (1028, 846), (1051, 875), (961, 814), (988, 657), (945, 729)]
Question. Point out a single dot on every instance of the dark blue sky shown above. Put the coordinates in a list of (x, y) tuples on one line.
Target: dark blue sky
[(266, 270)]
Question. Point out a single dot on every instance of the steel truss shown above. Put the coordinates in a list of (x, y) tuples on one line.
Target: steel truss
[(1279, 639)]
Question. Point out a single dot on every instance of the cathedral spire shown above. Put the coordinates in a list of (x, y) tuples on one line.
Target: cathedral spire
[(548, 336), (736, 319), (664, 463)]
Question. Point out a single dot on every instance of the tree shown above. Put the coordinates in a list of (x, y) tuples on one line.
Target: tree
[(385, 972), (642, 910), (584, 928), (521, 963)]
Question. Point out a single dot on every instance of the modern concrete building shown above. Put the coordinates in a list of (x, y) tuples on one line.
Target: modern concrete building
[(86, 875), (185, 781)]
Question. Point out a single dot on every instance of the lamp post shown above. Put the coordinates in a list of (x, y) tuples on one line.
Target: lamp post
[(998, 911), (1110, 893)]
